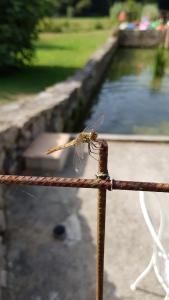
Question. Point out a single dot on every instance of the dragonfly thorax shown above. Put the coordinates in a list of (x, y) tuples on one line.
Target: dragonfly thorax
[(87, 137), (93, 136)]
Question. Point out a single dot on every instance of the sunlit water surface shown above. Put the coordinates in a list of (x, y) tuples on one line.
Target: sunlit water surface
[(132, 101)]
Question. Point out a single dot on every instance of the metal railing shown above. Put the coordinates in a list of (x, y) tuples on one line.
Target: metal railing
[(102, 183)]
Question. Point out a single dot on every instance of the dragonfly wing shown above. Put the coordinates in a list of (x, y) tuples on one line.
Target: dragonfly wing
[(79, 156), (93, 126), (80, 150)]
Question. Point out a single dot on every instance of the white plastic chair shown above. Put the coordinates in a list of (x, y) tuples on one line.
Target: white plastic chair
[(159, 253)]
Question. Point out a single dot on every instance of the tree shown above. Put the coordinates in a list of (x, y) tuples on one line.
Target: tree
[(78, 7), (82, 7), (164, 4), (18, 20), (85, 7), (101, 7), (90, 7)]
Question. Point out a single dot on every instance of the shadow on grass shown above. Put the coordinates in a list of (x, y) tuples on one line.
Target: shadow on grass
[(32, 80)]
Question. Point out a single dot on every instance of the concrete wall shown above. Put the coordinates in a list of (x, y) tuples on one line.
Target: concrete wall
[(138, 39)]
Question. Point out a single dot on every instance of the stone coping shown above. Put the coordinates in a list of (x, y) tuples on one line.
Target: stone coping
[(136, 38), (130, 138), (36, 155), (135, 138)]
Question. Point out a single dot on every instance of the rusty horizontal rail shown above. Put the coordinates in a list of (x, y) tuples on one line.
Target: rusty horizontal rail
[(85, 183), (55, 181), (140, 186)]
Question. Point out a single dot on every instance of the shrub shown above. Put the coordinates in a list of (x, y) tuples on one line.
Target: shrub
[(151, 11), (160, 62), (98, 26), (132, 8), (82, 7), (115, 10), (73, 25), (70, 12)]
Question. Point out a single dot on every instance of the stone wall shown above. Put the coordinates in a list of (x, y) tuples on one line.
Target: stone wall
[(138, 39), (3, 273)]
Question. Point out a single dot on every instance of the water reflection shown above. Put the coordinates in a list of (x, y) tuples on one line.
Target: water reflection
[(133, 102)]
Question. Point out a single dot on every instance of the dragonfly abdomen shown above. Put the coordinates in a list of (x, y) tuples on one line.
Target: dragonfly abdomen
[(61, 147)]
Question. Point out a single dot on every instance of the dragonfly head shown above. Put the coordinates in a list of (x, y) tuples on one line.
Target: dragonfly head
[(93, 136)]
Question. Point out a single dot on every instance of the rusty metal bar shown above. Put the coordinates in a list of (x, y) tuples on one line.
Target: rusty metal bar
[(85, 183), (140, 186), (101, 216), (55, 181)]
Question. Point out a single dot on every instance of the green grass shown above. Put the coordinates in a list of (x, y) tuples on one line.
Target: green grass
[(57, 57)]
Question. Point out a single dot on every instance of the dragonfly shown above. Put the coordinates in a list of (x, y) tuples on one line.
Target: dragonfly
[(88, 136)]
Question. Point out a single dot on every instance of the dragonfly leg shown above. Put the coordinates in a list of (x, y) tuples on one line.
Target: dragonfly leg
[(93, 149), (93, 156), (95, 145), (90, 151)]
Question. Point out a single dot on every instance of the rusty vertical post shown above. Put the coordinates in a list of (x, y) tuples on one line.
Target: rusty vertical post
[(101, 213)]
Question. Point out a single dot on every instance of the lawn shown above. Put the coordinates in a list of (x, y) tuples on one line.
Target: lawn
[(57, 56), (74, 24)]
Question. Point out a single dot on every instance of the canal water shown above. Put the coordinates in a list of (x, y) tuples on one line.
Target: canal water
[(133, 102)]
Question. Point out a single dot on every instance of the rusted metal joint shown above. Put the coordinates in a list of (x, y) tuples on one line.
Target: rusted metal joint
[(103, 176), (112, 184)]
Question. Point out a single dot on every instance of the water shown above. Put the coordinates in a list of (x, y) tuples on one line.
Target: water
[(133, 103)]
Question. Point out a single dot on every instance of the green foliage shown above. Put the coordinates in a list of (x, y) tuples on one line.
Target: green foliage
[(82, 6), (159, 62), (115, 10), (85, 7), (77, 7), (98, 26), (151, 11), (132, 8), (70, 12), (18, 20), (73, 25)]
